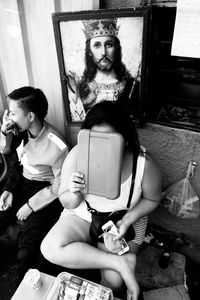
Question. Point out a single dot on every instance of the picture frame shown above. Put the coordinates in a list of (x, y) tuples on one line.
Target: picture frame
[(79, 35)]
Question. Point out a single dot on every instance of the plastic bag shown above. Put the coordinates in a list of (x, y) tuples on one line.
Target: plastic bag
[(180, 198)]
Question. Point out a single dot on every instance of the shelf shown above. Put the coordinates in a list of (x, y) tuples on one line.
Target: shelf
[(174, 125)]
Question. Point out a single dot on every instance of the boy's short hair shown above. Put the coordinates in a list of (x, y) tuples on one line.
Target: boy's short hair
[(31, 99)]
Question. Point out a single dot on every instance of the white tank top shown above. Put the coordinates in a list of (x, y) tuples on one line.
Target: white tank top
[(103, 204)]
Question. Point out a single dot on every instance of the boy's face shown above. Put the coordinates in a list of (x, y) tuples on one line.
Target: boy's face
[(19, 116)]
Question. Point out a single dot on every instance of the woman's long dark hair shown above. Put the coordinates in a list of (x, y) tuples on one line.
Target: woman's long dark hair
[(116, 115)]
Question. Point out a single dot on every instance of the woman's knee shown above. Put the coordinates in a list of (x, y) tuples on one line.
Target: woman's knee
[(66, 231), (46, 249), (50, 250), (52, 247), (112, 279)]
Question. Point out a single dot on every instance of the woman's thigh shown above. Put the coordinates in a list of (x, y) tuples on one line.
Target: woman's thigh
[(68, 229)]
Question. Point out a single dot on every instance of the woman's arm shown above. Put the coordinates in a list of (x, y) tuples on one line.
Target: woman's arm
[(72, 182), (151, 195)]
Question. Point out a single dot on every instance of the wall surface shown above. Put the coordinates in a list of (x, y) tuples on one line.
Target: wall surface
[(28, 52), (172, 149)]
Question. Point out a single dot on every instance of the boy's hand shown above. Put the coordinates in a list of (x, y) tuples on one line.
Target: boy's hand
[(24, 212), (6, 200), (6, 126)]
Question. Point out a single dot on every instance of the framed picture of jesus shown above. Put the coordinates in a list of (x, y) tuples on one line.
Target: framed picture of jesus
[(101, 55)]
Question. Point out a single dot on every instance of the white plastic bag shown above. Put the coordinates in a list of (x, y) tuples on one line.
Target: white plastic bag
[(180, 198)]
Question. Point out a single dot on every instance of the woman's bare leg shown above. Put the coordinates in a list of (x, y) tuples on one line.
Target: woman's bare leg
[(68, 244), (114, 279)]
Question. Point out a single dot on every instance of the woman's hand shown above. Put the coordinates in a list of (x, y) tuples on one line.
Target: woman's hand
[(122, 228), (76, 182), (111, 243)]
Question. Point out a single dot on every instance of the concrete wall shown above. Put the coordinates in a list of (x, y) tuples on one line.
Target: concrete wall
[(172, 149)]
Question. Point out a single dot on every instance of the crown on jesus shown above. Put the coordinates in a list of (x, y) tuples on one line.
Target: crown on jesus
[(100, 27)]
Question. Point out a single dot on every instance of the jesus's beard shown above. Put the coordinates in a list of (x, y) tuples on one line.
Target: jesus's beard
[(105, 65)]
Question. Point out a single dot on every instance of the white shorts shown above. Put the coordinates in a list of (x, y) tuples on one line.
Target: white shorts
[(139, 226)]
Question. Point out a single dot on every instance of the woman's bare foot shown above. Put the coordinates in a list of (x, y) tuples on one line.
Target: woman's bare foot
[(127, 271)]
